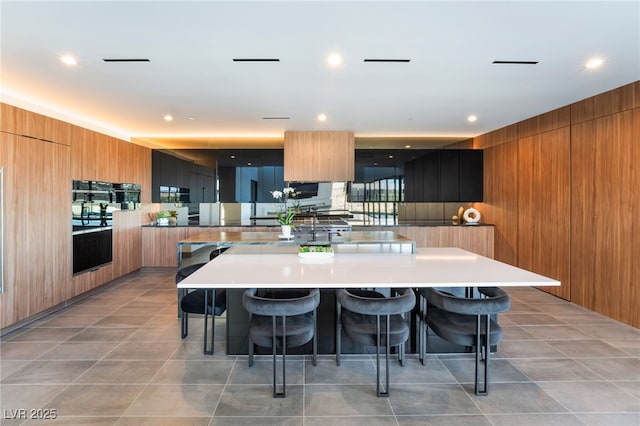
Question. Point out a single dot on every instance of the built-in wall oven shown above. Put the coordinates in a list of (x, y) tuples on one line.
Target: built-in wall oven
[(93, 204)]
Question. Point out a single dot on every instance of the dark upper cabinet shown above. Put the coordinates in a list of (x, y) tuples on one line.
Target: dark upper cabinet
[(445, 176), (449, 175), (471, 175), (429, 168), (410, 181)]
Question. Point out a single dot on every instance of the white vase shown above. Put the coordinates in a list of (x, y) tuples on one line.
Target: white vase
[(285, 231), (163, 221)]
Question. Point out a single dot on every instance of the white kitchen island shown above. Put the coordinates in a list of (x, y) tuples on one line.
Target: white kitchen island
[(277, 266), (266, 266)]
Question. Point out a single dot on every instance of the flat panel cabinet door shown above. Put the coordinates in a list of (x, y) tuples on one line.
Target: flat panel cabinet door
[(449, 175), (471, 175), (430, 166), (445, 176), (410, 181)]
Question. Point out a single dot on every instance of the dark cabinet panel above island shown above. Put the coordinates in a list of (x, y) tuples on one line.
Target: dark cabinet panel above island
[(445, 176)]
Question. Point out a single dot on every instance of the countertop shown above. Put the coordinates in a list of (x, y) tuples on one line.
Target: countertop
[(358, 226)]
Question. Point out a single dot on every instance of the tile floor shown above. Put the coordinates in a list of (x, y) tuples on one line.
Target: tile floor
[(116, 358)]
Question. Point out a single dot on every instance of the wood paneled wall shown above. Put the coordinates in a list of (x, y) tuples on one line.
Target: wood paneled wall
[(561, 189), (37, 227), (605, 242), (501, 187), (543, 206), (40, 157)]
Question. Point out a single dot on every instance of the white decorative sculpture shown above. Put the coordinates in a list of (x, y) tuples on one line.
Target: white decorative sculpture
[(471, 216)]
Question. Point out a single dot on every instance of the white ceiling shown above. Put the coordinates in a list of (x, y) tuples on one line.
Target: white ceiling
[(451, 46)]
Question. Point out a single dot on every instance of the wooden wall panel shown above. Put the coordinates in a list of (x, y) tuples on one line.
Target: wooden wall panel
[(40, 167), (496, 137), (319, 156), (552, 120), (501, 199), (25, 123), (614, 101), (37, 226), (139, 171), (605, 270), (544, 207), (9, 119), (84, 163)]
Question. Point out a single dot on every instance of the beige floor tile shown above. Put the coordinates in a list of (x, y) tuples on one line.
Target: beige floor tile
[(95, 400), (176, 401), (117, 358)]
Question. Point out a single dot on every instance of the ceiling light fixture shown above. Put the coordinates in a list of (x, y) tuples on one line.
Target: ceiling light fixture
[(322, 117), (256, 60), (388, 60), (594, 63), (126, 60), (334, 60), (515, 62), (168, 117), (68, 60), (407, 146), (472, 118)]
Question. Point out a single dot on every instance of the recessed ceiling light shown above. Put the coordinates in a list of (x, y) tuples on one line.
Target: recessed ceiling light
[(68, 60), (168, 117), (191, 118), (407, 146), (249, 163), (334, 59), (233, 156), (472, 118), (594, 63), (322, 117), (391, 156)]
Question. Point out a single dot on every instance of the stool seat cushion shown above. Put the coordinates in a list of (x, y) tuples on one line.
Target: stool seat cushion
[(299, 329), (187, 270), (461, 329), (193, 302), (362, 328)]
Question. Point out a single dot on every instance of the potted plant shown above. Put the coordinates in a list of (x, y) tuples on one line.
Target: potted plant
[(173, 217), (162, 218), (285, 217)]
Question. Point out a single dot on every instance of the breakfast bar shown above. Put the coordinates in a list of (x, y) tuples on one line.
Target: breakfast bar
[(269, 266)]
